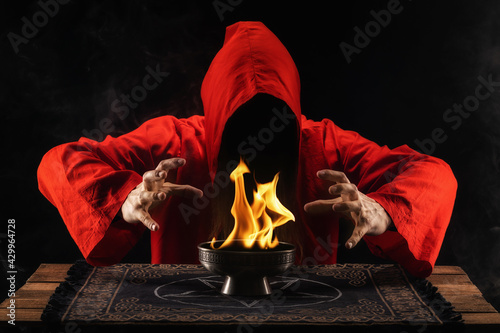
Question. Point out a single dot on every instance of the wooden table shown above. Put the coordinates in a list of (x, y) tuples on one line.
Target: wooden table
[(452, 282)]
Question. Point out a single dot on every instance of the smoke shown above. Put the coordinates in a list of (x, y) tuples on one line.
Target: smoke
[(485, 189), (92, 52), (121, 39), (473, 240)]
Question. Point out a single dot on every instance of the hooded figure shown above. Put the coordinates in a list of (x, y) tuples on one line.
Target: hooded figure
[(251, 100)]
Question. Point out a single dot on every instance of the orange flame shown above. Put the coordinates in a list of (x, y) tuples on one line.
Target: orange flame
[(254, 224)]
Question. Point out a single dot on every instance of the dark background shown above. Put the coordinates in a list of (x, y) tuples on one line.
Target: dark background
[(62, 82)]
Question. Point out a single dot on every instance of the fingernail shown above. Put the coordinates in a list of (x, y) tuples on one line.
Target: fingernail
[(154, 227), (349, 245)]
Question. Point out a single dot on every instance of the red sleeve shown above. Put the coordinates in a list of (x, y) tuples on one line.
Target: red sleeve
[(88, 181), (416, 190)]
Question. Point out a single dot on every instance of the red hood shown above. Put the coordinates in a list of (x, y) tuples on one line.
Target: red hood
[(251, 61)]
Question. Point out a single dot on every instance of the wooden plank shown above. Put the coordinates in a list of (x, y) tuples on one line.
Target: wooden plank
[(454, 284), (32, 295), (50, 273), (56, 267), (474, 308), (448, 270), (438, 280), (470, 303), (43, 296), (481, 318), (451, 290), (40, 286), (28, 303), (32, 298), (22, 293), (23, 315), (466, 298), (461, 292)]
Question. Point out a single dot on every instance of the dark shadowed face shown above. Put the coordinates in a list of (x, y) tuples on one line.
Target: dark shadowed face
[(264, 132)]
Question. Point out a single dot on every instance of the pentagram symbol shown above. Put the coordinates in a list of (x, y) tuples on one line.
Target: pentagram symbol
[(205, 291)]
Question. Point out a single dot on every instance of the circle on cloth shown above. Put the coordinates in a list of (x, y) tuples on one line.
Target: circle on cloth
[(288, 292)]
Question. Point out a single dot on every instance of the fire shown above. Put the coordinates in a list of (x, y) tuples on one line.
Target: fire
[(254, 224)]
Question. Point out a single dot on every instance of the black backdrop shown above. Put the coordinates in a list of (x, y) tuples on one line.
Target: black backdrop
[(61, 76)]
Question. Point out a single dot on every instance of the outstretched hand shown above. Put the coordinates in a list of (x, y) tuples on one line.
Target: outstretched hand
[(368, 216), (152, 191)]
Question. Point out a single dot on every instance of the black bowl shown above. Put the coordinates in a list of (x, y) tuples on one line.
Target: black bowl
[(246, 270)]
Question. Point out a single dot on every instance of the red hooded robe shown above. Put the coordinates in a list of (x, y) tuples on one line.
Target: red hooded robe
[(88, 181)]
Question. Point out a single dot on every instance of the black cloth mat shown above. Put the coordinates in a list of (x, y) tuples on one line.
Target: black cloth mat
[(366, 294)]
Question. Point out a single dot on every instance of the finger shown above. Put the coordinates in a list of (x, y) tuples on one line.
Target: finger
[(321, 206), (171, 163), (146, 197), (153, 179), (347, 206), (358, 233), (332, 175), (346, 189), (185, 191), (148, 221)]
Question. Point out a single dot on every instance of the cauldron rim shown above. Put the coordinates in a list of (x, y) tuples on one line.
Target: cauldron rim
[(282, 247)]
